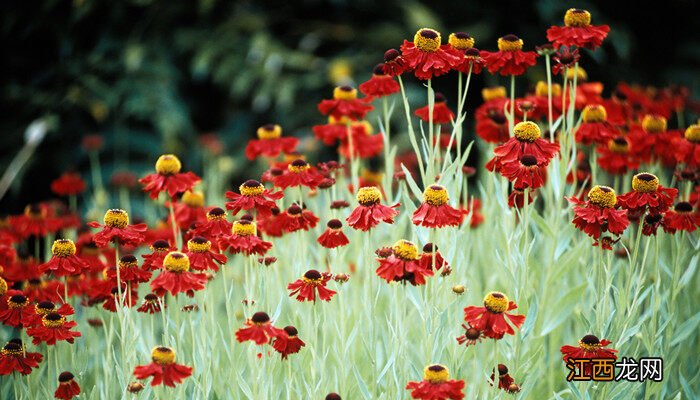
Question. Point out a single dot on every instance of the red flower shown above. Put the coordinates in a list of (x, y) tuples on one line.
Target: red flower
[(650, 224), (526, 173), (578, 31), (154, 261), (63, 262), (298, 173), (526, 140), (345, 104), (15, 357), (176, 278), (129, 271), (364, 144), (491, 318), (253, 196), (270, 143), (427, 57), (402, 264), (259, 329), (215, 226), (68, 184), (564, 59), (369, 213), (595, 128), (647, 194), (190, 211), (163, 368), (588, 347), (380, 84), (688, 149), (67, 387), (470, 337), (434, 211), (312, 282), (15, 310), (472, 60), (510, 59), (272, 225), (599, 214), (681, 218), (394, 63), (295, 218), (116, 227), (441, 113), (53, 328), (244, 239), (333, 236), (436, 385), (334, 130), (430, 252), (491, 121), (289, 343), (168, 178), (505, 381), (45, 307), (652, 141), (616, 158), (151, 304), (38, 220), (202, 257)]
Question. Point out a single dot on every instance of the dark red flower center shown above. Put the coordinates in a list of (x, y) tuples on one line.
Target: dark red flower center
[(161, 244), (502, 369), (151, 297), (472, 334), (429, 248), (646, 177), (46, 306), (65, 377), (294, 210), (462, 35), (312, 274), (177, 256), (378, 69), (18, 299), (260, 317), (346, 88), (246, 217), (251, 183), (333, 396), (391, 55), (528, 160), (652, 219), (276, 171), (510, 38), (199, 240), (291, 331), (275, 210), (53, 316), (269, 127), (428, 33), (301, 163), (472, 52), (436, 368), (217, 212), (334, 224), (129, 258), (590, 340), (440, 98), (498, 117), (683, 207)]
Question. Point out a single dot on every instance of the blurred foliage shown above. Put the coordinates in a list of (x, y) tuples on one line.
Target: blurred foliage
[(151, 75)]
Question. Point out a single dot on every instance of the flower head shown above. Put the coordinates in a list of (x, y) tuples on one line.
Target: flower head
[(370, 212), (588, 347), (176, 278), (168, 178), (435, 212), (510, 59), (307, 287), (270, 143), (289, 343), (163, 368), (380, 84), (259, 329), (67, 387), (333, 236), (577, 31), (427, 57), (491, 318), (15, 357), (63, 261), (436, 385), (54, 327), (116, 228)]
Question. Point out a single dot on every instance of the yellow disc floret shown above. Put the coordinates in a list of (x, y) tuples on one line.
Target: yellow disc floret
[(602, 196), (176, 261), (527, 131), (654, 123), (369, 195), (619, 145), (53, 320), (251, 188), (493, 93), (541, 89), (269, 132), (344, 93), (243, 228), (116, 218), (692, 134), (435, 195), (168, 164), (510, 43), (198, 244), (162, 355), (3, 287), (577, 18), (460, 41), (193, 199), (496, 302), (63, 248), (298, 166), (436, 373), (405, 250), (427, 39), (594, 113), (579, 72), (645, 183)]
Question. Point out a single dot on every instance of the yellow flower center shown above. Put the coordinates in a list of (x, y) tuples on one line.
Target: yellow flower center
[(116, 218), (298, 167), (372, 176), (53, 320), (602, 196), (198, 245), (618, 145), (594, 113), (249, 188), (343, 120), (269, 132), (63, 248), (12, 349), (460, 41), (436, 373), (369, 195), (654, 123), (527, 131), (244, 228), (493, 93), (435, 195), (344, 93), (162, 355), (3, 287), (366, 125), (582, 74), (510, 43), (496, 302), (193, 199), (645, 183), (589, 343), (405, 250), (168, 164), (35, 211), (576, 17), (176, 262), (541, 89), (216, 214), (427, 40), (692, 134)]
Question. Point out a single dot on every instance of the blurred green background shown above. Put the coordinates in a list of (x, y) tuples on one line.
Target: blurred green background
[(153, 76)]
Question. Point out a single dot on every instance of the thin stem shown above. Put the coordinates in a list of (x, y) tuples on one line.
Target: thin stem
[(411, 132)]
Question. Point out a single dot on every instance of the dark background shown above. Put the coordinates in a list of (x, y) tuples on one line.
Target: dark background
[(151, 76)]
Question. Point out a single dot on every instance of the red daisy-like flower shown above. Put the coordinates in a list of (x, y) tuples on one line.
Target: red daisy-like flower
[(491, 318), (472, 61), (272, 225), (44, 307), (333, 236), (168, 178), (244, 239), (380, 84), (253, 195), (682, 217), (345, 104), (653, 141), (111, 299), (129, 271), (510, 59), (564, 59), (163, 368), (491, 121), (646, 194), (402, 264), (599, 214), (595, 128), (298, 173), (176, 278), (688, 148), (154, 261), (313, 281), (116, 227), (54, 327), (270, 143), (431, 256), (526, 173), (296, 218), (394, 63), (289, 343), (16, 310), (190, 210), (616, 158), (216, 225), (434, 211), (441, 113), (201, 255), (67, 387), (470, 337), (63, 262), (336, 129), (369, 213), (14, 357), (588, 347), (68, 184), (427, 57), (436, 385), (151, 304), (259, 329), (364, 143), (577, 31), (527, 139), (37, 220), (505, 381)]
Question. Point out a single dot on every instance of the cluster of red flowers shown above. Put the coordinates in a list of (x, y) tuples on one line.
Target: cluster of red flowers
[(259, 329)]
